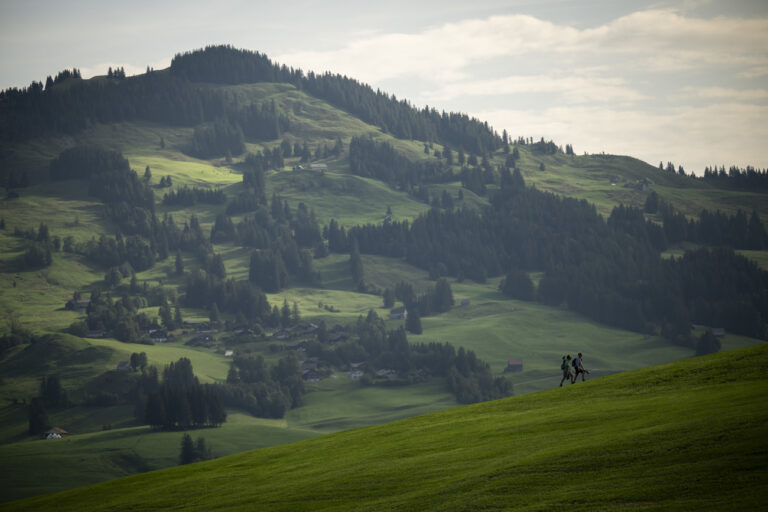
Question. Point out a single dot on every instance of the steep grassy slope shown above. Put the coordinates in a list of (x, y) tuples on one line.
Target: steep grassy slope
[(683, 436)]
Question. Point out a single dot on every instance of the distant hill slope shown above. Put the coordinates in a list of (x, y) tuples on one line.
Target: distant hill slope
[(684, 436)]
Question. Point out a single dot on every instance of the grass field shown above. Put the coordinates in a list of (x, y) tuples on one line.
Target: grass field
[(684, 436)]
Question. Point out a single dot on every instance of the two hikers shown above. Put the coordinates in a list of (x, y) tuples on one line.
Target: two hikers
[(578, 368)]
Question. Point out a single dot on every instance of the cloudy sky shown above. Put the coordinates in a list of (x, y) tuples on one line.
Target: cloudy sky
[(670, 80)]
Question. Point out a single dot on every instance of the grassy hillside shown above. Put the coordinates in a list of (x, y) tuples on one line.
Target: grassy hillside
[(684, 436)]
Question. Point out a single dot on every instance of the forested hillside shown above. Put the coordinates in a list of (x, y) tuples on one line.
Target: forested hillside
[(328, 256)]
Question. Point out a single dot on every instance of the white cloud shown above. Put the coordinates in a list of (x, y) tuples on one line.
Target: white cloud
[(728, 94), (441, 53), (570, 89), (664, 40), (656, 40)]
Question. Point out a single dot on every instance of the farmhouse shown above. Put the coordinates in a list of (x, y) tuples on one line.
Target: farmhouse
[(514, 365), (318, 167), (398, 313), (123, 366), (55, 433)]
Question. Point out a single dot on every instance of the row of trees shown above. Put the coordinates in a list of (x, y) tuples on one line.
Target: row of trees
[(748, 178), (180, 401), (711, 228), (186, 196)]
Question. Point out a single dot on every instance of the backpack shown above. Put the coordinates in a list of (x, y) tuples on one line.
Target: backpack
[(574, 363)]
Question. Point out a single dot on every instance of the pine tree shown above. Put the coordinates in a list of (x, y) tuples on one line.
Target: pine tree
[(188, 454), (285, 314), (413, 321)]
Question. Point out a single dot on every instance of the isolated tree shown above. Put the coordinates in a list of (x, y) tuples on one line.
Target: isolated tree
[(285, 314), (134, 361), (707, 344), (413, 321), (147, 174), (652, 202), (188, 454), (113, 277), (202, 451)]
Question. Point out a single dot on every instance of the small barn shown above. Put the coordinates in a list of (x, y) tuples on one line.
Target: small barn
[(398, 313), (55, 433), (514, 365)]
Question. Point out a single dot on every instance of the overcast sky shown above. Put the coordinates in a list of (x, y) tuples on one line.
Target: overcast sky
[(679, 80)]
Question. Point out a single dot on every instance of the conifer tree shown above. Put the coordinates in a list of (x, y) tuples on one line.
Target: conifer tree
[(413, 321)]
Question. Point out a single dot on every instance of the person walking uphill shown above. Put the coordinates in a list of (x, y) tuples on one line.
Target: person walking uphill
[(566, 367), (578, 364)]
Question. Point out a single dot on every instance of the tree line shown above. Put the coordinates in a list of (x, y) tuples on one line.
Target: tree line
[(711, 228), (609, 270), (190, 196)]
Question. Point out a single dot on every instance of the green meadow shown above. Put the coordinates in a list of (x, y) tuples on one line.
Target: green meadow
[(688, 435)]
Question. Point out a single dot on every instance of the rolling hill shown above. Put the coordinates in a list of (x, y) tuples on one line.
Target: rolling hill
[(148, 120), (682, 436)]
